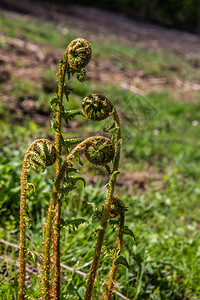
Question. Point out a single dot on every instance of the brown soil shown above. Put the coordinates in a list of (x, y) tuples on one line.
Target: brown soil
[(15, 61), (99, 25)]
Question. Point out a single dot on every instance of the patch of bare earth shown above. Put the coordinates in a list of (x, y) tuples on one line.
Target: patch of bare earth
[(102, 23), (99, 25), (139, 82), (26, 60), (23, 60)]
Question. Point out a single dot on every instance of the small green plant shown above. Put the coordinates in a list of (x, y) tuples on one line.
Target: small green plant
[(98, 150)]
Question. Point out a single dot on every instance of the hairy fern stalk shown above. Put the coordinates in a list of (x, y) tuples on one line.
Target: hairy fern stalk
[(98, 150)]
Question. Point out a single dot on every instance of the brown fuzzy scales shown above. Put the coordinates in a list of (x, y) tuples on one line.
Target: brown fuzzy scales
[(45, 146)]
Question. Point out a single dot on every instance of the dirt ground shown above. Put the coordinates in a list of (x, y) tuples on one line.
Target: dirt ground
[(103, 23), (98, 24)]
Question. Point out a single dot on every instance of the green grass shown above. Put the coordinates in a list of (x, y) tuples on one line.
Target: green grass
[(159, 63), (160, 136), (33, 30), (153, 62)]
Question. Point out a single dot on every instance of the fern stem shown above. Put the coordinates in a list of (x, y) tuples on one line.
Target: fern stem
[(58, 143), (114, 267), (48, 231), (56, 250), (105, 213), (22, 241), (47, 247), (58, 140)]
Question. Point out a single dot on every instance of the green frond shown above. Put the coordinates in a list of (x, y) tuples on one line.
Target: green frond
[(74, 179), (81, 75), (66, 92), (126, 230), (65, 190), (54, 101), (54, 125), (50, 157), (121, 260), (28, 220), (28, 297), (110, 128), (108, 169), (69, 115), (97, 229), (68, 143), (112, 178), (73, 224), (78, 158), (40, 149), (31, 187), (72, 170), (97, 213), (36, 161), (32, 255)]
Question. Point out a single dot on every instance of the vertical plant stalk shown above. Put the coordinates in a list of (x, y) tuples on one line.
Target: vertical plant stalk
[(48, 231), (114, 267), (54, 205), (22, 241), (106, 209), (57, 209), (56, 251), (77, 56), (43, 162)]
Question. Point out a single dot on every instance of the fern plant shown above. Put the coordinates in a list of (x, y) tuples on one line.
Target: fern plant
[(98, 150)]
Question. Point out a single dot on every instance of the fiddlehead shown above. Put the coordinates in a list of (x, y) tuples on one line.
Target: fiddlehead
[(116, 207), (96, 107), (99, 151), (78, 53), (40, 154)]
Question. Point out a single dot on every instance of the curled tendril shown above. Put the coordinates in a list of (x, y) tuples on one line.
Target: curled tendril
[(99, 151), (78, 53), (116, 207), (42, 155), (96, 107)]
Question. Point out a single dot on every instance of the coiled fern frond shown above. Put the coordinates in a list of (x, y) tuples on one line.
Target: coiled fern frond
[(42, 155), (78, 53), (96, 107), (99, 151), (117, 207)]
